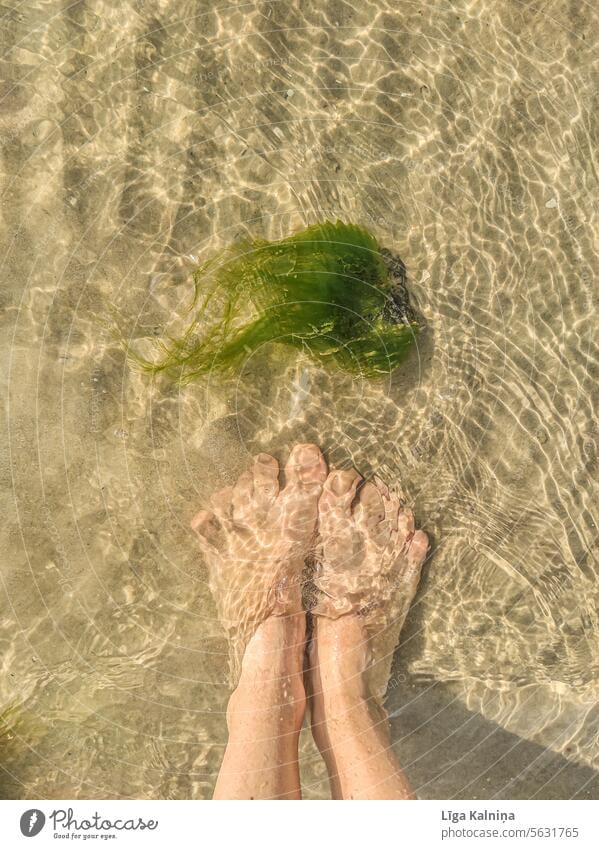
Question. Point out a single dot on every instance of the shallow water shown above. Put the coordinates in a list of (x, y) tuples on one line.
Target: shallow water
[(134, 141)]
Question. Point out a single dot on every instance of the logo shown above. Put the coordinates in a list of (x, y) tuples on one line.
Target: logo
[(32, 822)]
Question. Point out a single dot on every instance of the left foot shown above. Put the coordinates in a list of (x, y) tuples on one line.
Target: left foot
[(255, 541)]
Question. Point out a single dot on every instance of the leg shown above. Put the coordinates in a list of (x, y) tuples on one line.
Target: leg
[(370, 559), (254, 542), (265, 715), (348, 724)]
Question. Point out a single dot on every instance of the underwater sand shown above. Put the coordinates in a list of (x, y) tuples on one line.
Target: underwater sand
[(138, 138)]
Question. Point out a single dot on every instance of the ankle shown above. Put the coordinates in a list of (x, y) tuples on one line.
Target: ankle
[(340, 699), (271, 687), (341, 656), (276, 648), (285, 701), (277, 702)]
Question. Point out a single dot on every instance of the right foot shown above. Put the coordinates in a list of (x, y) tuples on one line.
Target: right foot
[(368, 568)]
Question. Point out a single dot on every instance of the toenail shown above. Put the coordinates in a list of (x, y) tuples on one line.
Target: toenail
[(308, 455), (339, 485)]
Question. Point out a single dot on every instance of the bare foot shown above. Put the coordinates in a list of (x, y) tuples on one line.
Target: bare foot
[(265, 715), (255, 540), (368, 566)]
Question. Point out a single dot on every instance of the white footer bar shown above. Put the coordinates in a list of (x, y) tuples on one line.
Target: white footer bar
[(287, 825)]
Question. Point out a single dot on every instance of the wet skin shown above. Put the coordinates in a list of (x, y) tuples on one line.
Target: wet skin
[(368, 556)]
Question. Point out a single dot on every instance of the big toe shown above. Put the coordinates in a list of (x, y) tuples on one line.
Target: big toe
[(305, 473), (306, 466)]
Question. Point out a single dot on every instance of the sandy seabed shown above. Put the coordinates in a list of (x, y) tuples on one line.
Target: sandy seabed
[(136, 139)]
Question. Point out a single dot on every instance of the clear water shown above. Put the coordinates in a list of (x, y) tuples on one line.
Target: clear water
[(137, 138)]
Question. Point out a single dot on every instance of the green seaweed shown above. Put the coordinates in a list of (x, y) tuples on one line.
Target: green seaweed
[(326, 290)]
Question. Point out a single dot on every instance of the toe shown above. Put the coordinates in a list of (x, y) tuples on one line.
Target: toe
[(418, 546), (337, 495), (369, 510), (306, 466), (242, 498), (207, 527), (391, 504), (305, 472), (414, 558), (266, 481), (221, 503), (405, 525)]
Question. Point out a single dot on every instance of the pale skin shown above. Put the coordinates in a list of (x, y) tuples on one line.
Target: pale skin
[(256, 540)]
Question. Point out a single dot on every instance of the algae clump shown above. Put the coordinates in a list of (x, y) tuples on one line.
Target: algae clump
[(327, 290)]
